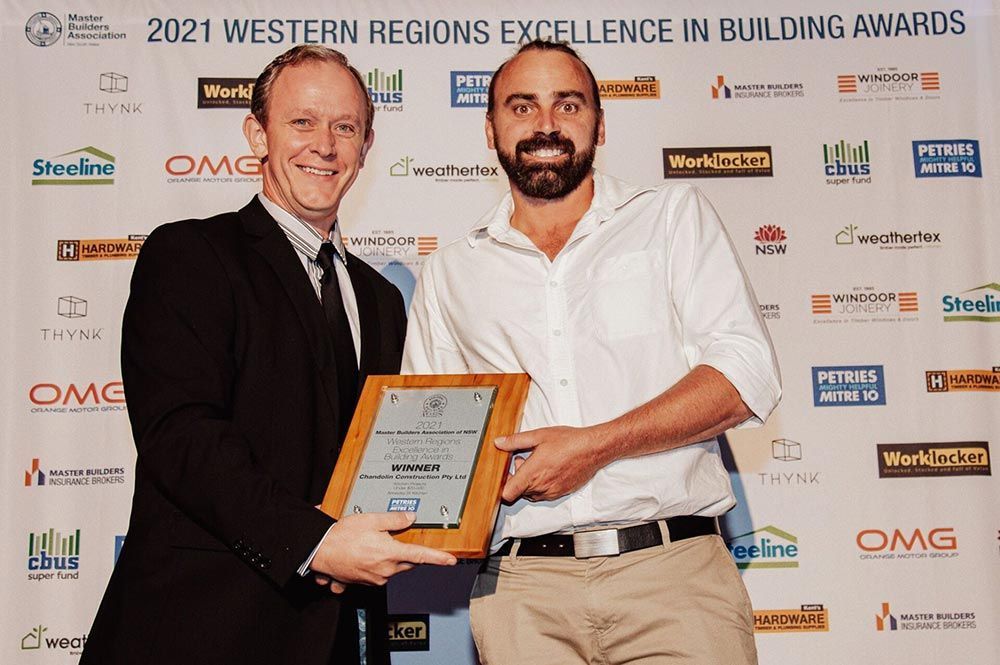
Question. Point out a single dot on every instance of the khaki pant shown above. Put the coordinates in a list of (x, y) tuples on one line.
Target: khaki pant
[(680, 602)]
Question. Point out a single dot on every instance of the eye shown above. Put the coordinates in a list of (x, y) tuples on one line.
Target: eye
[(301, 122), (569, 107), (521, 109), (345, 129)]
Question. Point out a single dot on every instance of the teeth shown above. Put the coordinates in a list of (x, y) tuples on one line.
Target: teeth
[(309, 169), (547, 152)]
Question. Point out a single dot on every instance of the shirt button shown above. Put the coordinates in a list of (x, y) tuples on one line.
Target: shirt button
[(553, 283), (564, 382), (557, 332)]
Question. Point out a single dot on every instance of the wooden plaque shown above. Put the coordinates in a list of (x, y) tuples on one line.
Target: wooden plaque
[(424, 443)]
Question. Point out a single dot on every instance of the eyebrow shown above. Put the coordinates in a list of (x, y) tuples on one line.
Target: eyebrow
[(559, 95)]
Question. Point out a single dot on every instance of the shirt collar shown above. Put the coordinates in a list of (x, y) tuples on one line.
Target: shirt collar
[(304, 238), (610, 194)]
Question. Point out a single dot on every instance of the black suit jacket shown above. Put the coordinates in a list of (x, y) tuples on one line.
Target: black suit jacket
[(231, 386)]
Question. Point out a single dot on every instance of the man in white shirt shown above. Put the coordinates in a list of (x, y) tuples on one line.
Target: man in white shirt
[(629, 310)]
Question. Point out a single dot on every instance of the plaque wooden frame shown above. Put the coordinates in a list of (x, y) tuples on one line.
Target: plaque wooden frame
[(471, 539)]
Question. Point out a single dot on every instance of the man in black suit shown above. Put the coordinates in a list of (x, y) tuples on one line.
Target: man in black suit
[(245, 339)]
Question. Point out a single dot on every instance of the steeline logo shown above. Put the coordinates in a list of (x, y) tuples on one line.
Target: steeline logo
[(444, 172), (100, 249), (849, 385), (947, 159), (730, 162), (756, 90), (385, 89), (86, 166), (470, 89), (983, 307), (887, 620), (810, 618), (51, 555), (767, 547), (640, 87), (225, 93), (963, 380), (409, 632), (913, 460), (892, 240)]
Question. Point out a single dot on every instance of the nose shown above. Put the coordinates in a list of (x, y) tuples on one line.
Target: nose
[(546, 121), (324, 143)]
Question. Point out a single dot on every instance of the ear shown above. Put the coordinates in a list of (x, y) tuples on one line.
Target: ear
[(600, 128), (366, 146), (256, 136), (490, 138)]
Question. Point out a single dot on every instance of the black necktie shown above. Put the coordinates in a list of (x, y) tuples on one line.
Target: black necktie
[(340, 330)]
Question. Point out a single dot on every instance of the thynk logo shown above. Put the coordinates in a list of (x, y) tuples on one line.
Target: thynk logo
[(770, 240), (72, 307), (43, 29), (385, 89), (86, 166), (113, 82), (947, 159), (786, 450), (51, 551), (768, 547), (983, 307), (34, 476), (885, 619)]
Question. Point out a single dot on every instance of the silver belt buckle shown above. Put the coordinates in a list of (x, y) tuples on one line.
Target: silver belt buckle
[(588, 544)]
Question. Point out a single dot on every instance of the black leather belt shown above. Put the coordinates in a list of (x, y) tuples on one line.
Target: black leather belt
[(609, 542)]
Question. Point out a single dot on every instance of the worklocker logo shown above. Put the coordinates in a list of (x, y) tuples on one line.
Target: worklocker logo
[(767, 547), (906, 544), (889, 84), (810, 618), (385, 89), (912, 460), (212, 169), (728, 162), (723, 89), (100, 249), (53, 556), (887, 620), (963, 380), (981, 304), (409, 632), (849, 385), (851, 235), (951, 158), (469, 90), (846, 164), (225, 93), (640, 87), (410, 167), (865, 304), (85, 166), (770, 240)]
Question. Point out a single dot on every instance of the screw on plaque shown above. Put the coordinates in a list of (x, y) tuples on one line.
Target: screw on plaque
[(394, 398), (357, 510), (444, 512), (477, 397)]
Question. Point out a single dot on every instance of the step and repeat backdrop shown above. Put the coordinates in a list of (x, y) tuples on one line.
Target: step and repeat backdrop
[(850, 147)]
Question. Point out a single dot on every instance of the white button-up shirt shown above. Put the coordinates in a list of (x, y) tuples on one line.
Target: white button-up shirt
[(647, 287)]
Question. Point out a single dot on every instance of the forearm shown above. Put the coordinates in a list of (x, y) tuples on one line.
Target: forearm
[(700, 406)]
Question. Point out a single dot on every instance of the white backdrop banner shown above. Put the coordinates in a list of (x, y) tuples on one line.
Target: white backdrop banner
[(850, 147)]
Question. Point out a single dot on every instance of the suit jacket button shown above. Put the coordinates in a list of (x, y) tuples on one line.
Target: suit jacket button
[(264, 564)]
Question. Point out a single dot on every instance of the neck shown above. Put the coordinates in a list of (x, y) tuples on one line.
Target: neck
[(549, 223)]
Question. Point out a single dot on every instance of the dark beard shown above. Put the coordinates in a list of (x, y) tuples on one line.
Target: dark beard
[(547, 181)]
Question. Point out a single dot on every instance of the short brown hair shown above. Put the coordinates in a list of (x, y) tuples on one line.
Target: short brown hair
[(543, 45), (296, 56)]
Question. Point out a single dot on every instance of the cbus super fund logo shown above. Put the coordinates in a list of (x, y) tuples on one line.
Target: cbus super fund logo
[(729, 162), (912, 460), (849, 385), (951, 158), (85, 166)]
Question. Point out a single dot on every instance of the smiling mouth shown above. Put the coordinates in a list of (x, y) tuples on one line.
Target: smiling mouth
[(315, 171), (546, 153)]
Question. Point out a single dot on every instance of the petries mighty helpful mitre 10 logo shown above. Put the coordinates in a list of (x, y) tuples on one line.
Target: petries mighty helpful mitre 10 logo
[(225, 93), (914, 460), (951, 158), (84, 166), (887, 620), (963, 380), (978, 304), (865, 304), (718, 162), (896, 544), (100, 249), (767, 547), (849, 385), (53, 556), (470, 89), (811, 618), (409, 632), (723, 89), (889, 83), (639, 87)]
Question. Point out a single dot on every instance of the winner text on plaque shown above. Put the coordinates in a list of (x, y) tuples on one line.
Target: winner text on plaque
[(424, 444)]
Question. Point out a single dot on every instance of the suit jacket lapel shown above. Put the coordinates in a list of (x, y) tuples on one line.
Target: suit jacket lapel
[(270, 242), (368, 317)]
